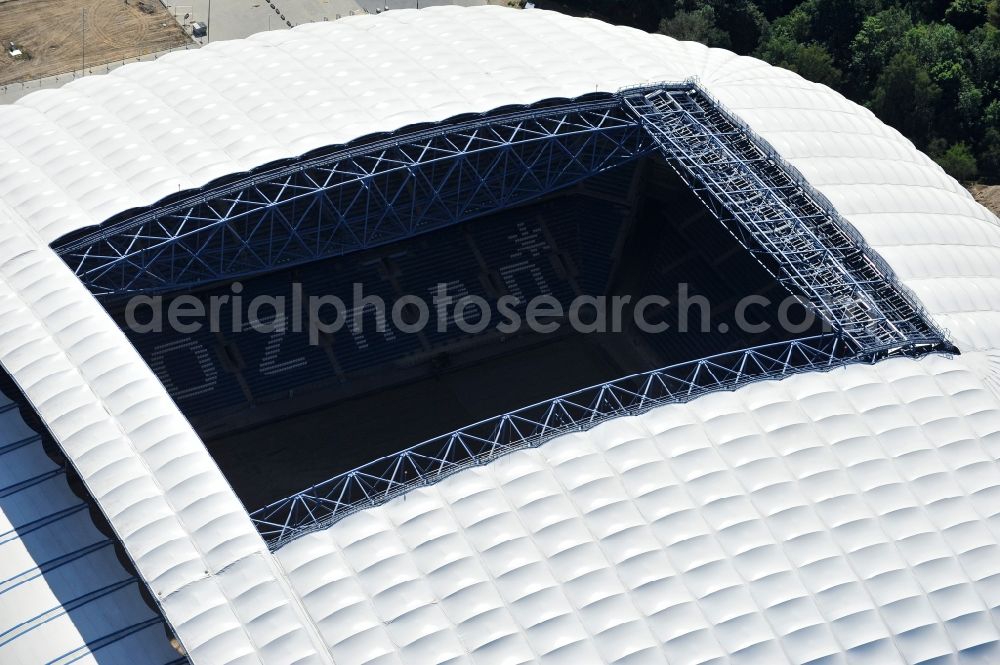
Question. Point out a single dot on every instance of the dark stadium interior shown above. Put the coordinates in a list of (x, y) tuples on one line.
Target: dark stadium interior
[(279, 413)]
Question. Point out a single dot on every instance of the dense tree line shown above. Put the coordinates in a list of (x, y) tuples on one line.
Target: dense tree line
[(930, 68)]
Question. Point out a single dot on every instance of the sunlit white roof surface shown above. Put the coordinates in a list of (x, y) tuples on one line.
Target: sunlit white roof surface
[(75, 156), (846, 515), (831, 511), (186, 532)]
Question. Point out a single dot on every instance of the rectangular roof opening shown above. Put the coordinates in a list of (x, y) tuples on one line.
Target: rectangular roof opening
[(281, 409)]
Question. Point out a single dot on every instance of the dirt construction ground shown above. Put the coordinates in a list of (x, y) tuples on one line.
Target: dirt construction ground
[(51, 35), (988, 196)]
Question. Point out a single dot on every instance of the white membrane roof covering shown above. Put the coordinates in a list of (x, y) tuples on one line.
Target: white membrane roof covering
[(187, 534), (73, 157), (64, 596), (850, 516)]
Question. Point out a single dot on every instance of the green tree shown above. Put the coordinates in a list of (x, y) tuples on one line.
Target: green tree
[(959, 162), (830, 23), (810, 61), (940, 50), (642, 14), (966, 14), (928, 10), (991, 116), (743, 21), (774, 8), (906, 97), (931, 68), (879, 39), (796, 25), (836, 22), (969, 108), (696, 25), (937, 45), (984, 53), (989, 154)]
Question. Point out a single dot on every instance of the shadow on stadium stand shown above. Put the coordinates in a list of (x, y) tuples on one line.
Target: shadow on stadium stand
[(71, 552), (279, 413)]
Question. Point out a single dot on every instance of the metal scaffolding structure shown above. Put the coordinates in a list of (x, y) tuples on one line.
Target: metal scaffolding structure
[(792, 230), (355, 198), (428, 462)]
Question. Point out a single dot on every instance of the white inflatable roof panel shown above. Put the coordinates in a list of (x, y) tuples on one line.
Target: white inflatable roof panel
[(826, 574), (852, 516), (64, 596)]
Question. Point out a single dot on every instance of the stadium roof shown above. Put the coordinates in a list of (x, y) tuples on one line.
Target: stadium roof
[(844, 514), (904, 451), (63, 592)]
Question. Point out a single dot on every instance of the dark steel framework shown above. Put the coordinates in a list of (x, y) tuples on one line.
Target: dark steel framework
[(355, 198), (389, 189), (429, 462), (385, 190), (792, 229)]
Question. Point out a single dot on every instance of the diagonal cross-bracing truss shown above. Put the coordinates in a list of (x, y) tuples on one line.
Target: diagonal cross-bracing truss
[(386, 190), (355, 198), (426, 463), (793, 231), (377, 192)]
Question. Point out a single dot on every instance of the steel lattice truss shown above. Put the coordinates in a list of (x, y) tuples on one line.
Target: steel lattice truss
[(356, 198), (792, 230), (387, 190), (383, 191), (481, 443)]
